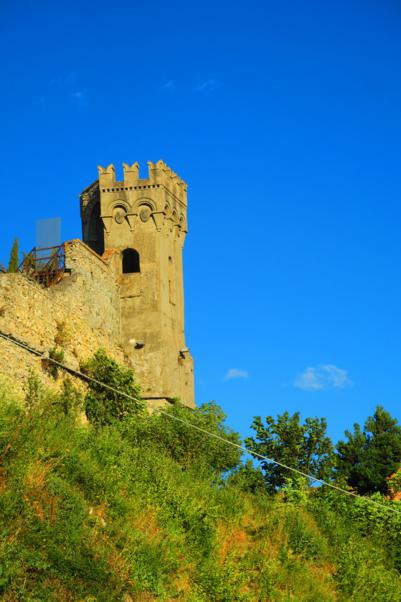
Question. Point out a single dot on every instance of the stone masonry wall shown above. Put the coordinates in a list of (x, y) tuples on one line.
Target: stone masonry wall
[(80, 314)]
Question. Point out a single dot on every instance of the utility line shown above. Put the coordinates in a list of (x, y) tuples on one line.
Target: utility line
[(190, 424)]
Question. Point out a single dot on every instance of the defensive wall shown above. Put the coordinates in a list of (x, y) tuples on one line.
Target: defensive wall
[(80, 314)]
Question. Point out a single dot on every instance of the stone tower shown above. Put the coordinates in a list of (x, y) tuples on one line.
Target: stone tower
[(139, 226)]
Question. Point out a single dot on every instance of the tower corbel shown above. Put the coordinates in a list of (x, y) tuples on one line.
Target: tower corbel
[(107, 221), (158, 218), (131, 218)]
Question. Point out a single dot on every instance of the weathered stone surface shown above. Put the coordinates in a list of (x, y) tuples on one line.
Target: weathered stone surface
[(80, 314)]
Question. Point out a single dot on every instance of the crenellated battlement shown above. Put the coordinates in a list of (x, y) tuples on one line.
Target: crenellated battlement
[(107, 175), (159, 174)]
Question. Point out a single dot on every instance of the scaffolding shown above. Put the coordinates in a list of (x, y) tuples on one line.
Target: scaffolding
[(46, 265)]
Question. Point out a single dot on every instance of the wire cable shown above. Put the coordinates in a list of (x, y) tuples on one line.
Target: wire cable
[(190, 424)]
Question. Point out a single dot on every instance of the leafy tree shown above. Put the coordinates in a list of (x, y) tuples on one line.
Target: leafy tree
[(302, 446), (371, 455), (13, 263), (103, 406), (186, 445)]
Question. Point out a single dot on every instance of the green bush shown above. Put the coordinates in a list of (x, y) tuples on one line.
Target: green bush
[(56, 354), (70, 398), (189, 446), (103, 405), (248, 478)]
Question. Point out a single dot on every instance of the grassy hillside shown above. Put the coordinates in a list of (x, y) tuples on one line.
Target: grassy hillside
[(141, 509)]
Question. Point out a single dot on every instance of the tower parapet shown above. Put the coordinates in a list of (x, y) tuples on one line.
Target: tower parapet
[(163, 192), (159, 174)]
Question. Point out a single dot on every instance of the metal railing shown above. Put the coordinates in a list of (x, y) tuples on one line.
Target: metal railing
[(46, 265)]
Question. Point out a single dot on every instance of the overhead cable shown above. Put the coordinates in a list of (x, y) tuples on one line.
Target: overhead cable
[(190, 424)]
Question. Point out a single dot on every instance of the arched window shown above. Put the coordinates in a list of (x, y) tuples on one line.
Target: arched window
[(131, 261)]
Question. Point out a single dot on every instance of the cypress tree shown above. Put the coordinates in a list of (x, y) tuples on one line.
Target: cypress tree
[(13, 263)]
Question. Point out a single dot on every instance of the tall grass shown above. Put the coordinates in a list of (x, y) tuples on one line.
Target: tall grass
[(139, 510)]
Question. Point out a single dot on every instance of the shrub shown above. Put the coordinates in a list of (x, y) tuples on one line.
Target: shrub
[(188, 446), (102, 405), (248, 478), (56, 354), (70, 398)]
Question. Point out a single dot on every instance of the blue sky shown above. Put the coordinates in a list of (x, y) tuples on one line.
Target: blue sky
[(284, 118)]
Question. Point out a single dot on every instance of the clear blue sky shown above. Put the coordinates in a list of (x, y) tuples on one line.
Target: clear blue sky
[(285, 120)]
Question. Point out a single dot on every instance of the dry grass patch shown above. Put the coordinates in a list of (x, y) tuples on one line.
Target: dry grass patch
[(146, 522), (42, 503), (233, 542)]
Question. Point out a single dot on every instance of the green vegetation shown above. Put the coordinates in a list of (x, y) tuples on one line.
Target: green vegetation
[(103, 406), (137, 507), (13, 263), (56, 354), (370, 456), (305, 447)]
